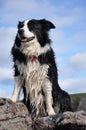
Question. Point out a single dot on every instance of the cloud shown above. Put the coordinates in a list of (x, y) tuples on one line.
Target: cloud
[(5, 93), (6, 73), (25, 9), (78, 61), (7, 82), (73, 85), (6, 76), (72, 66), (77, 40), (7, 36), (61, 15), (66, 17)]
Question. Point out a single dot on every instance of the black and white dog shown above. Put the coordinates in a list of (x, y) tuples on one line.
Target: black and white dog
[(35, 69)]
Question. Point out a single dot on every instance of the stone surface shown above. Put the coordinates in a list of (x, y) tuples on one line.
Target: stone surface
[(15, 116)]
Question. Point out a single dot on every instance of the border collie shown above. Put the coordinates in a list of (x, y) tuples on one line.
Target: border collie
[(35, 69)]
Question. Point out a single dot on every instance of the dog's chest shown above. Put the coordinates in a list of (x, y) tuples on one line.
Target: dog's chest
[(26, 69), (33, 68), (35, 77)]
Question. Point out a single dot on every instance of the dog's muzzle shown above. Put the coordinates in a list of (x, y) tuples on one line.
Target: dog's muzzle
[(23, 38)]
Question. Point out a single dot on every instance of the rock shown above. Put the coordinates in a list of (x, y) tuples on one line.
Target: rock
[(69, 121), (15, 116)]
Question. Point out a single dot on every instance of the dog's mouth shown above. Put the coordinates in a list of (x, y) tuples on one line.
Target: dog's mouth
[(24, 39)]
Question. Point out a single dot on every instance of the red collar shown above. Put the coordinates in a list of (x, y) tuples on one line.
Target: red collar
[(33, 58)]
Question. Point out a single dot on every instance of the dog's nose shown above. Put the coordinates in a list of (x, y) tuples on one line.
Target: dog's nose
[(20, 31)]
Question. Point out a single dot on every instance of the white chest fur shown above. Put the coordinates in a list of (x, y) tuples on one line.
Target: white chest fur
[(36, 81)]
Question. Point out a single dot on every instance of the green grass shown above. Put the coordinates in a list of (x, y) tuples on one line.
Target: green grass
[(78, 95), (75, 99)]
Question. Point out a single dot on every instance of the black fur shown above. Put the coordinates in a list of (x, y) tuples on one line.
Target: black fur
[(40, 29), (18, 55)]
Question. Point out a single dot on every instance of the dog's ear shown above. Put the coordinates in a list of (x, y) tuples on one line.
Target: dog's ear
[(47, 24), (19, 22)]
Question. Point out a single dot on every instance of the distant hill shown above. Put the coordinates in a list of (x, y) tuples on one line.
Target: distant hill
[(78, 101)]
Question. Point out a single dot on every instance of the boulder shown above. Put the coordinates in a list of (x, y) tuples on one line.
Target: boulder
[(15, 116)]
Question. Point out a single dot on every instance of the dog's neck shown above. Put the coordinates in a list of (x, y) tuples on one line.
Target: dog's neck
[(34, 49)]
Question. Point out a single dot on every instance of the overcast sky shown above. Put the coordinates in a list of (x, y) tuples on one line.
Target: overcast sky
[(68, 39)]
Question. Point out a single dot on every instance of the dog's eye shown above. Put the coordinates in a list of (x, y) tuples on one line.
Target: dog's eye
[(20, 24)]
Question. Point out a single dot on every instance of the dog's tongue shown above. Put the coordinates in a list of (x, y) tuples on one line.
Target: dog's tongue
[(24, 39)]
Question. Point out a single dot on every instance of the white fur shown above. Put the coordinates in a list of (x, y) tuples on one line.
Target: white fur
[(27, 32), (16, 92), (33, 48)]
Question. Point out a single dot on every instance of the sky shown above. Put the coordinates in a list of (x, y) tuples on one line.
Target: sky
[(68, 39)]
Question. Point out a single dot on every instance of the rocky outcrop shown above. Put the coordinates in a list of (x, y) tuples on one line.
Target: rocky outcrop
[(15, 116)]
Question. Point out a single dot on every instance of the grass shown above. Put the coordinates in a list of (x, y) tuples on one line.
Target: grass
[(78, 95), (76, 98)]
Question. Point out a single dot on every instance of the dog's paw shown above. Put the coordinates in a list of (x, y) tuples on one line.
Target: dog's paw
[(13, 99), (57, 118), (51, 112)]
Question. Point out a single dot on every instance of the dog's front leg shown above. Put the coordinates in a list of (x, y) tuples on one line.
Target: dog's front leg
[(18, 86), (48, 97)]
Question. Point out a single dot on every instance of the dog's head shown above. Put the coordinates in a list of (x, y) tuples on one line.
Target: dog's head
[(29, 30)]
